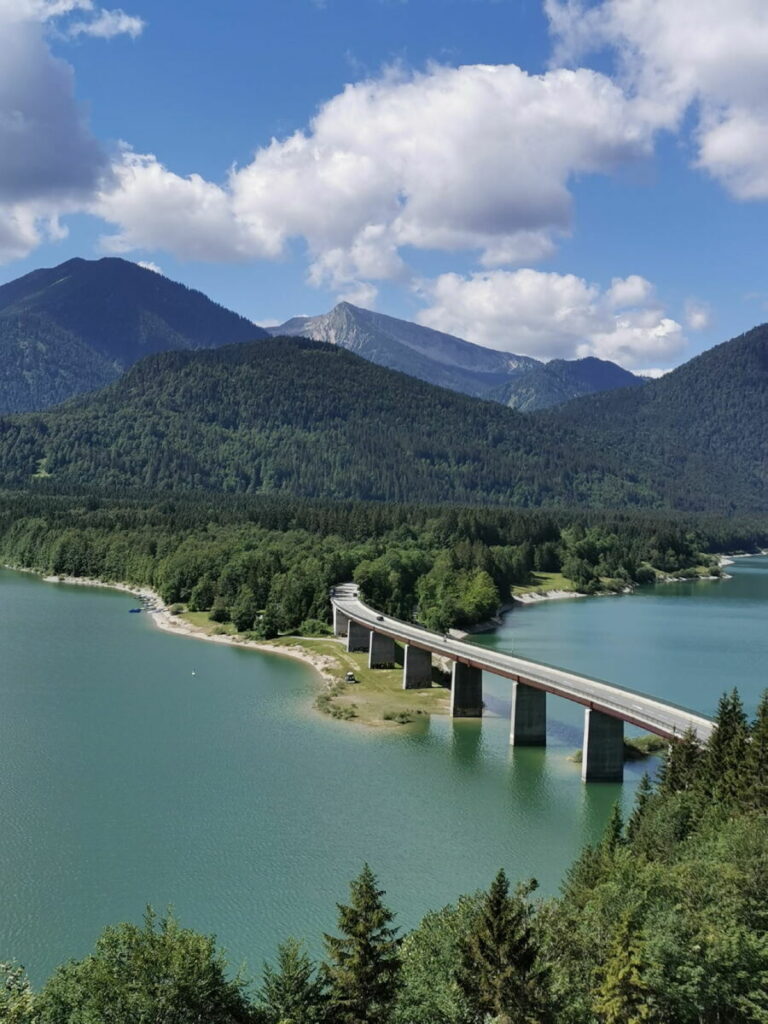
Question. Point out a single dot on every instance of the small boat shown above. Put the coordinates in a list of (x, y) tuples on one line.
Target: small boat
[(134, 611)]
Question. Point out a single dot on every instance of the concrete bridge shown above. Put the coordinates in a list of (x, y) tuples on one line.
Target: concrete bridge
[(606, 706)]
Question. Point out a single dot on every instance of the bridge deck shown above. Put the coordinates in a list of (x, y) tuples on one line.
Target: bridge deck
[(649, 713)]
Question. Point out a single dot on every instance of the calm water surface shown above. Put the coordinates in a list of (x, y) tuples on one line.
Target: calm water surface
[(136, 766)]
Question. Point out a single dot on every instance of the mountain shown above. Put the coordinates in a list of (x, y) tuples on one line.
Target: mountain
[(561, 380), (430, 355), (72, 328), (705, 424), (519, 381), (303, 418)]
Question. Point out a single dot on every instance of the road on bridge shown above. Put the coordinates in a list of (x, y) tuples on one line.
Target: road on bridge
[(639, 709)]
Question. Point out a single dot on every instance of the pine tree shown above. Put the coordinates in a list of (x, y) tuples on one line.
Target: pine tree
[(363, 974), (613, 837), (291, 993), (17, 1003), (622, 996), (682, 765), (724, 767), (499, 972), (757, 757), (642, 798)]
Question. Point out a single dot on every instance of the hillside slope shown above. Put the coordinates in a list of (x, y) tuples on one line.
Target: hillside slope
[(421, 352), (68, 329), (297, 417), (561, 380), (702, 426)]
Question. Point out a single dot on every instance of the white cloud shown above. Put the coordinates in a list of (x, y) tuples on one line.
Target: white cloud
[(676, 55), (108, 24), (550, 315), (697, 315), (149, 265), (49, 161), (477, 157)]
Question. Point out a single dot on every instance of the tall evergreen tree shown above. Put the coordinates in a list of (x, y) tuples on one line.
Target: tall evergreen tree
[(499, 972), (642, 798), (363, 973), (291, 993), (622, 996), (724, 767), (757, 758), (680, 769)]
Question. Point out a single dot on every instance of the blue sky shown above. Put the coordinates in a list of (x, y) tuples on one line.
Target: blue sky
[(537, 175)]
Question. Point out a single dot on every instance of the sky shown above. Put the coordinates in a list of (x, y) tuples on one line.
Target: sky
[(553, 178)]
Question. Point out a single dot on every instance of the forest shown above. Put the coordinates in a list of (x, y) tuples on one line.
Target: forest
[(290, 416), (267, 564), (663, 921)]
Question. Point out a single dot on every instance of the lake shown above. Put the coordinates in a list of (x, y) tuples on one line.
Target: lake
[(140, 767)]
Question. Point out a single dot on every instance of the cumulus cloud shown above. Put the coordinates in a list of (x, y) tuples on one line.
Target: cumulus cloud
[(477, 157), (107, 25), (550, 315), (697, 315), (676, 55), (50, 164), (149, 265)]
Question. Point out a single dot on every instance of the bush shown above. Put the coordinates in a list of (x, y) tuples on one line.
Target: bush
[(313, 627)]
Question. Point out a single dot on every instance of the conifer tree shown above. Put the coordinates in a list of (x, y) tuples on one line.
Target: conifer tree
[(499, 970), (642, 797), (363, 973), (757, 757), (681, 767), (724, 767), (290, 992), (613, 837), (622, 996), (17, 1003)]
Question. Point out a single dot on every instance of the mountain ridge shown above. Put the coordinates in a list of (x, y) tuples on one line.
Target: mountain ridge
[(309, 419), (70, 328), (449, 361)]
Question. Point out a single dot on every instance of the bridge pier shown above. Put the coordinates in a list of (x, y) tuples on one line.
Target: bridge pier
[(340, 622), (357, 636), (602, 755), (381, 651), (529, 716), (417, 668), (466, 691)]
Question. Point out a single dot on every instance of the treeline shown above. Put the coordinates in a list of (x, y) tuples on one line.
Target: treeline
[(290, 416), (268, 564), (665, 920)]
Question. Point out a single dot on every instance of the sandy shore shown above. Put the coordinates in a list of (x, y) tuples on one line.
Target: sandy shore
[(548, 595), (160, 614)]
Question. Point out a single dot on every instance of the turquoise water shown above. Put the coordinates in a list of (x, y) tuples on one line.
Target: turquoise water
[(137, 766)]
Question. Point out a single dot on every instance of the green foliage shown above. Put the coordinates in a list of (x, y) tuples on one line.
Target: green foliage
[(17, 1003), (291, 992), (160, 972), (75, 327), (430, 993), (500, 972), (272, 561), (363, 969), (289, 416)]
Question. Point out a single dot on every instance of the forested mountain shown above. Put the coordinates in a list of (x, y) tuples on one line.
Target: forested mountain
[(297, 417), (451, 362), (707, 422), (72, 328), (418, 351), (560, 380)]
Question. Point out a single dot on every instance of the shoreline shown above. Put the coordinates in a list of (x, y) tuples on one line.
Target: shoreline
[(155, 608)]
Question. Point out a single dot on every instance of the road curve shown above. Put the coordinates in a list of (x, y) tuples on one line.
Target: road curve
[(649, 713)]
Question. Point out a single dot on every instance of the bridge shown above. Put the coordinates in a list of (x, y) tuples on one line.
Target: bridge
[(606, 706)]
